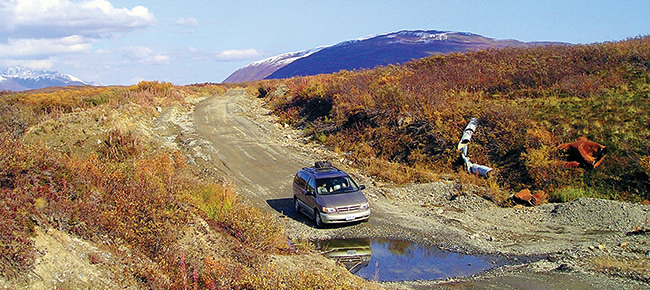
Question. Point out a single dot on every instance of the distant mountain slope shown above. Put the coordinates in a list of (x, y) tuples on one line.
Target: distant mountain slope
[(261, 69), (367, 52), (23, 79)]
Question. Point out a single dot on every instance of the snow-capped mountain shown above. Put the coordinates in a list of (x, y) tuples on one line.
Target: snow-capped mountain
[(260, 69), (23, 79), (367, 52)]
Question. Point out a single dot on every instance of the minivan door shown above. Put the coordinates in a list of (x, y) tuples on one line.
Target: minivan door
[(310, 198), (299, 185)]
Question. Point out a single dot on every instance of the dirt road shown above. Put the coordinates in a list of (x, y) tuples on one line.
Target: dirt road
[(261, 160), (257, 157), (245, 152), (240, 139)]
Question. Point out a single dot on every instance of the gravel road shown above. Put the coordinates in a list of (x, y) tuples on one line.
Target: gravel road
[(236, 136)]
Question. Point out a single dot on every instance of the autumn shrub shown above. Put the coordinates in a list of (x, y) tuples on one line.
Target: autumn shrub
[(27, 108), (93, 200), (15, 120), (16, 245), (258, 230), (152, 93), (64, 100), (527, 100), (547, 172), (139, 203), (17, 207), (204, 90), (119, 145), (215, 200), (135, 202), (644, 162), (261, 92), (253, 227)]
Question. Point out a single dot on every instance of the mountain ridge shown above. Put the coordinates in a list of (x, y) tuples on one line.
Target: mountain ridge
[(368, 52), (20, 78)]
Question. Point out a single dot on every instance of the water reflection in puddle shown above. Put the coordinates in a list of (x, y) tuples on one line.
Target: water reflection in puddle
[(395, 260)]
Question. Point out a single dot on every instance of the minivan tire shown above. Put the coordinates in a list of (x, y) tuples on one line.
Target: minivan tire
[(296, 206), (318, 220)]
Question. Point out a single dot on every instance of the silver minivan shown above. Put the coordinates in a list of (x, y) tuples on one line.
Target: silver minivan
[(329, 195)]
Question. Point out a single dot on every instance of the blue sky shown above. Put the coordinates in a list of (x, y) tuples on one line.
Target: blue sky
[(183, 42)]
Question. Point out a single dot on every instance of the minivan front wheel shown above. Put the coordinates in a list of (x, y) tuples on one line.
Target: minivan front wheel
[(319, 221), (296, 206)]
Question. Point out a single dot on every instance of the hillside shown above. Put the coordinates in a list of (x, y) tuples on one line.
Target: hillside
[(95, 192), (401, 123), (367, 52)]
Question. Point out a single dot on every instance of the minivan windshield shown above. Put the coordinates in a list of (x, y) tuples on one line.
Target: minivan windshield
[(335, 185)]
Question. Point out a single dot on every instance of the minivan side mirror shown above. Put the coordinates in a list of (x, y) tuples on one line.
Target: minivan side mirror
[(362, 187), (309, 192)]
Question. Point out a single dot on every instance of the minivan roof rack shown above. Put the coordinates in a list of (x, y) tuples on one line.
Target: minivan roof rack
[(322, 164)]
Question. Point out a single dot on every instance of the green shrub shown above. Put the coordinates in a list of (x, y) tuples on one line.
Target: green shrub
[(567, 194)]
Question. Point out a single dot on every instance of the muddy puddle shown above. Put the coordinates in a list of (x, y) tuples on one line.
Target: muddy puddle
[(396, 260)]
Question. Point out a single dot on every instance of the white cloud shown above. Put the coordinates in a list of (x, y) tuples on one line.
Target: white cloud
[(236, 55), (189, 21), (38, 29), (35, 64), (147, 55), (33, 47), (61, 18)]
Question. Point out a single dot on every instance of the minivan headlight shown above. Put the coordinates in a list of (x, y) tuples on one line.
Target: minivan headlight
[(328, 209), (364, 206)]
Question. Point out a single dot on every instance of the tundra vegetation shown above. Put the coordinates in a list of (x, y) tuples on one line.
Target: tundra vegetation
[(401, 122), (77, 159), (74, 160)]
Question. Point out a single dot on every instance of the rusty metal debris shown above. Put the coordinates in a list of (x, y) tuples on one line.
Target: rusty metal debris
[(583, 153), (527, 198), (462, 147)]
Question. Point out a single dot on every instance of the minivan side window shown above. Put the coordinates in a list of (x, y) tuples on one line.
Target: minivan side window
[(312, 185), (299, 182), (304, 176)]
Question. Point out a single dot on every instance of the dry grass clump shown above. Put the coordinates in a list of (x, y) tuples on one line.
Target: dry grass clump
[(119, 145), (527, 100)]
